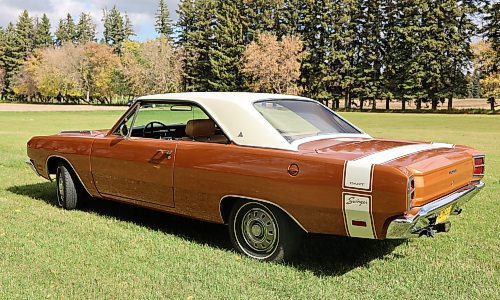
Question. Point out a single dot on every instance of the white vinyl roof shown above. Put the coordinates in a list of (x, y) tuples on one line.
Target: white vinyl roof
[(238, 118)]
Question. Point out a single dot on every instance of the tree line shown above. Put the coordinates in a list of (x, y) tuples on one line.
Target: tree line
[(331, 50)]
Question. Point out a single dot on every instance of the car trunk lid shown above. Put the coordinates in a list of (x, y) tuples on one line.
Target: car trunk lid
[(438, 169)]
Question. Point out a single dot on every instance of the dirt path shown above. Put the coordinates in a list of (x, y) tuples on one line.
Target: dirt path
[(54, 107)]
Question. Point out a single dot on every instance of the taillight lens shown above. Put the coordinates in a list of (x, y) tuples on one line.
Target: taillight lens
[(411, 192), (478, 166)]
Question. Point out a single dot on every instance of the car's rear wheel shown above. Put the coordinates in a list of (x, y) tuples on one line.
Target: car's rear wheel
[(68, 191), (263, 232)]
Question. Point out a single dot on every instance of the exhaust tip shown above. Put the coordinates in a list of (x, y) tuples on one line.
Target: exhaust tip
[(443, 227)]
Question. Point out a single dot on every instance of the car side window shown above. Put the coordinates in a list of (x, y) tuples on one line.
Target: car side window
[(174, 122)]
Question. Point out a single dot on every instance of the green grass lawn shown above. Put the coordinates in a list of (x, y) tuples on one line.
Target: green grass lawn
[(110, 250)]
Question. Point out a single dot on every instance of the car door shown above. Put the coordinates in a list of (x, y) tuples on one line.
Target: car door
[(131, 167), (136, 169)]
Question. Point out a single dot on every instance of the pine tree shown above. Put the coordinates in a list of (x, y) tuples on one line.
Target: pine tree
[(128, 28), (66, 31), (19, 44), (316, 43), (491, 30), (43, 37), (405, 68), (85, 29), (2, 45), (390, 78), (25, 30), (327, 30), (225, 55), (13, 55), (457, 55), (259, 16), (117, 29), (367, 83), (289, 16), (2, 63), (186, 25), (196, 37), (163, 22)]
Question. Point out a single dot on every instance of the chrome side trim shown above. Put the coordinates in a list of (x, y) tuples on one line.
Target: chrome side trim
[(29, 162), (407, 227), (72, 167), (259, 200)]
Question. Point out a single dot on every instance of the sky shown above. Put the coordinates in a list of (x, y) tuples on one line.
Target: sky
[(141, 12)]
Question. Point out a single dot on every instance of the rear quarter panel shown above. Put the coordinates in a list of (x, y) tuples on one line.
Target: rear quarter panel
[(205, 173)]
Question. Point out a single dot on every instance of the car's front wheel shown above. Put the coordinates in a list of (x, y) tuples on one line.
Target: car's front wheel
[(263, 232), (68, 195)]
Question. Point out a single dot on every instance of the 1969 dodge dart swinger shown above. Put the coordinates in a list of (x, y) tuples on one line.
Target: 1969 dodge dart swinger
[(272, 167)]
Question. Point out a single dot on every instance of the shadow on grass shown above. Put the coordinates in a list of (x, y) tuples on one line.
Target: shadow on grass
[(322, 255)]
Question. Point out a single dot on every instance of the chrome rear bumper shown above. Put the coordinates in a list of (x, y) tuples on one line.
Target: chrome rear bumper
[(29, 162), (407, 227)]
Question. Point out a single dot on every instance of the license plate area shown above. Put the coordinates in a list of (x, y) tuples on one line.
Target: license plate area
[(444, 214)]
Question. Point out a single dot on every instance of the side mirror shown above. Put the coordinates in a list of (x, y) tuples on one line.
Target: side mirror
[(124, 129)]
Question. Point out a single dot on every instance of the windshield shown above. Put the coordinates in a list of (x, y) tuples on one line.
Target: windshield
[(295, 119)]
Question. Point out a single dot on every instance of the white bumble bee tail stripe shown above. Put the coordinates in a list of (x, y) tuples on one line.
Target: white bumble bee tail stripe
[(358, 172), (358, 175)]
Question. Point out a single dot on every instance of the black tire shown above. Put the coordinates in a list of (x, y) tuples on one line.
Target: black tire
[(263, 232), (68, 188)]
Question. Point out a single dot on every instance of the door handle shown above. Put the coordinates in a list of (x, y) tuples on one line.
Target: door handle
[(166, 153)]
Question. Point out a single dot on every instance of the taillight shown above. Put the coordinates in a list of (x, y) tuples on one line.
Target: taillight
[(478, 166), (410, 192)]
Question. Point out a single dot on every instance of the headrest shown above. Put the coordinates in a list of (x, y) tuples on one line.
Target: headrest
[(200, 128)]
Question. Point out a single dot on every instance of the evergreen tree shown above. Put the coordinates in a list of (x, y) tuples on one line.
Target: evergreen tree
[(289, 14), (13, 55), (187, 26), (392, 43), (43, 37), (2, 63), (196, 37), (406, 65), (327, 30), (225, 55), (66, 31), (314, 69), (85, 29), (2, 46), (367, 82), (491, 30), (25, 31), (457, 55), (19, 44), (117, 29), (128, 28), (163, 22)]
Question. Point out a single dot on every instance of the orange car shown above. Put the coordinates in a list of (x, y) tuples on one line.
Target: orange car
[(272, 167)]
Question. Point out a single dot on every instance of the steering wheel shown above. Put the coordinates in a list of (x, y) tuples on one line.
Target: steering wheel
[(151, 124)]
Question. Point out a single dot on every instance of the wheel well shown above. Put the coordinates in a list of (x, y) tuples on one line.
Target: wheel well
[(53, 162), (228, 202)]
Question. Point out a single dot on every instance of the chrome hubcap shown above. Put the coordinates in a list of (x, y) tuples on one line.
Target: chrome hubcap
[(259, 230)]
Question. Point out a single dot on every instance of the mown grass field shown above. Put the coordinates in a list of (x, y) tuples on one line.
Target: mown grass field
[(113, 251)]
